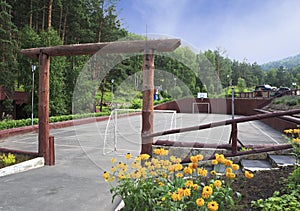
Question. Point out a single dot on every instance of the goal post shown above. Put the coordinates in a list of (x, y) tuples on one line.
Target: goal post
[(196, 107), (124, 127)]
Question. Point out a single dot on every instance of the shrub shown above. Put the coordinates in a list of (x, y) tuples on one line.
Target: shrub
[(8, 159)]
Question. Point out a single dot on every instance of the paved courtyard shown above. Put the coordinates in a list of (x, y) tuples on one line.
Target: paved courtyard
[(75, 182)]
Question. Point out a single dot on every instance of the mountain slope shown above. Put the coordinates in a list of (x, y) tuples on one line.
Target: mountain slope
[(288, 62)]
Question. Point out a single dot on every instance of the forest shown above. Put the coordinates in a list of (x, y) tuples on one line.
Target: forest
[(184, 73)]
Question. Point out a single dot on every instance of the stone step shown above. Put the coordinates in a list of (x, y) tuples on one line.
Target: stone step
[(282, 160), (256, 165)]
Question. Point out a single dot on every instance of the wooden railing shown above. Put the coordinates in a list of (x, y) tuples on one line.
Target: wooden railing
[(233, 144)]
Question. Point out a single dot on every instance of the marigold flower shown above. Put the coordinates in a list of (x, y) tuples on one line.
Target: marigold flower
[(200, 202), (227, 162), (189, 183), (128, 156), (199, 157), (229, 170), (188, 170), (178, 167), (145, 156), (214, 162), (193, 165), (288, 131), (296, 131), (161, 184), (212, 206), (195, 187), (106, 176), (202, 172), (163, 198), (296, 140), (220, 158), (176, 197), (218, 183), (113, 160), (230, 175), (179, 175), (249, 175), (136, 174), (194, 159), (235, 167)]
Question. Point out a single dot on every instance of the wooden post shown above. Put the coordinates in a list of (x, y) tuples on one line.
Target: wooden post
[(234, 136), (43, 107), (148, 92), (51, 151)]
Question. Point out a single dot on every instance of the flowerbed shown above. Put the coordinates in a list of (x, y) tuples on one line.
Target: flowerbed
[(161, 184)]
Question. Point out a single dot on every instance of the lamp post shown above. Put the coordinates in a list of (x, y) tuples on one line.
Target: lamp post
[(112, 86), (33, 68)]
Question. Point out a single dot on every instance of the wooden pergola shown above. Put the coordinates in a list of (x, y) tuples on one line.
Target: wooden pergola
[(147, 47)]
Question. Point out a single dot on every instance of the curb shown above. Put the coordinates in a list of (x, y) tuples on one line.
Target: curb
[(21, 167)]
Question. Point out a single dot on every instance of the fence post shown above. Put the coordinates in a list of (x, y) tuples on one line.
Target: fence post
[(234, 137), (51, 159)]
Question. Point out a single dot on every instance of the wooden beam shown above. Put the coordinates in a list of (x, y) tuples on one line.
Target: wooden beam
[(135, 46), (148, 92), (43, 107)]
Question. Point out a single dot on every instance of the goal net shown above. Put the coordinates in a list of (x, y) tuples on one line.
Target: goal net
[(124, 126)]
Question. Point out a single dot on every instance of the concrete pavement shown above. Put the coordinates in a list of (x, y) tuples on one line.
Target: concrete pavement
[(75, 182)]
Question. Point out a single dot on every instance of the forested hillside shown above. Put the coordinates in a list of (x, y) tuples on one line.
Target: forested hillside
[(36, 23)]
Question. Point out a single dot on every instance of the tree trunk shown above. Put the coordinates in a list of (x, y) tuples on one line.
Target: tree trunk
[(30, 17), (64, 27), (50, 14)]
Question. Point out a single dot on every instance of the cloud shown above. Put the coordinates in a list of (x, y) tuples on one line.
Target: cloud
[(258, 30)]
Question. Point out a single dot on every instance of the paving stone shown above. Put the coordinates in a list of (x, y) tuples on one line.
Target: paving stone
[(282, 160), (256, 165)]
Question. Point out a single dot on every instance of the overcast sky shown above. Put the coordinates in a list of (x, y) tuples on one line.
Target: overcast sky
[(257, 30)]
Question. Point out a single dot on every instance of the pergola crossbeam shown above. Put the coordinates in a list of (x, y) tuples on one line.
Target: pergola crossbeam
[(136, 46)]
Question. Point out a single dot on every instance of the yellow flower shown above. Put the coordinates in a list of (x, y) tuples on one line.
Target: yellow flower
[(128, 156), (202, 172), (163, 198), (220, 158), (113, 160), (157, 151), (213, 172), (193, 165), (230, 175), (106, 176), (194, 159), (199, 157), (113, 169), (176, 197), (296, 131), (200, 202), (112, 179), (161, 184), (136, 174), (288, 131), (249, 175), (188, 170), (145, 156), (189, 183), (195, 187), (184, 192), (214, 162), (207, 190), (161, 151), (296, 140), (212, 206), (179, 175), (235, 167), (178, 167), (218, 183), (228, 170), (227, 162), (135, 165)]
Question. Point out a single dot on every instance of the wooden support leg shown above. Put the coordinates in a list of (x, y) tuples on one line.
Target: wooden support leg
[(148, 94), (43, 107), (234, 133)]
